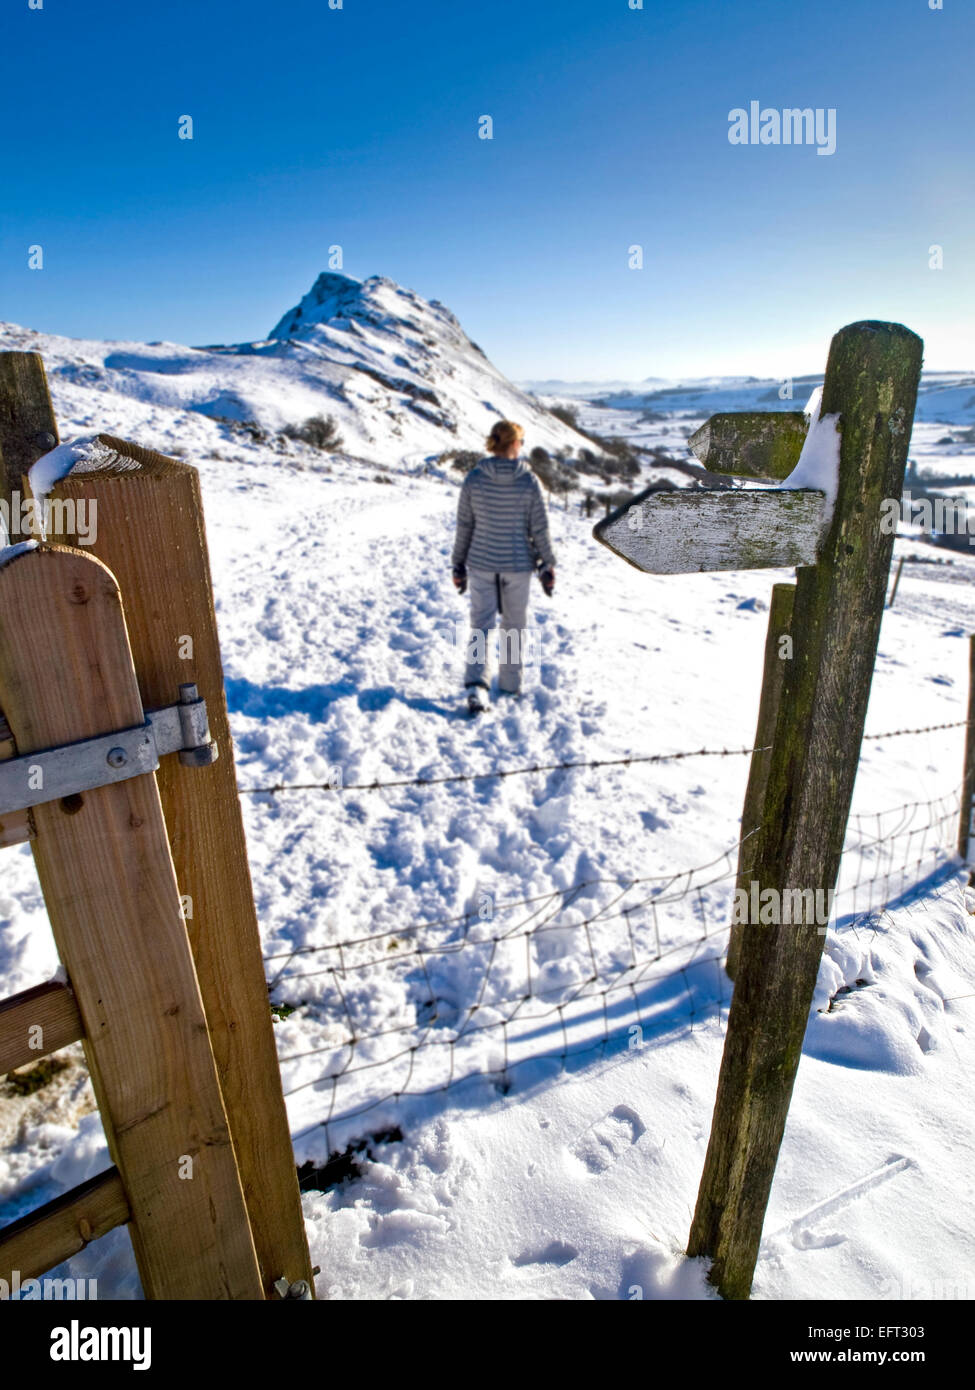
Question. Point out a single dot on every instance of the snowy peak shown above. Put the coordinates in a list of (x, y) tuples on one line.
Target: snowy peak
[(332, 296), (337, 300), (404, 368)]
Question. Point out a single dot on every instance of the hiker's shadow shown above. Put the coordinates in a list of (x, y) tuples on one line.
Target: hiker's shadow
[(313, 701)]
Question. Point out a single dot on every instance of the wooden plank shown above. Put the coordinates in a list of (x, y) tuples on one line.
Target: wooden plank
[(752, 815), (166, 580), (28, 427), (966, 824), (871, 384), (751, 443), (687, 531), (107, 875), (53, 1233), (15, 826), (50, 1008)]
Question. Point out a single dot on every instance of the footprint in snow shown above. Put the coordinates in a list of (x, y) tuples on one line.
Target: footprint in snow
[(605, 1142), (557, 1252)]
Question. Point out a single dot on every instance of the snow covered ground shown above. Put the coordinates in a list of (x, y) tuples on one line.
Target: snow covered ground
[(583, 1043)]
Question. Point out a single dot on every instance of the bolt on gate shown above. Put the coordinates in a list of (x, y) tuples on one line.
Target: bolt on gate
[(117, 767)]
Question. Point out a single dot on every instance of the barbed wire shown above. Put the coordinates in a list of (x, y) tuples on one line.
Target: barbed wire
[(502, 772), (929, 729), (632, 759)]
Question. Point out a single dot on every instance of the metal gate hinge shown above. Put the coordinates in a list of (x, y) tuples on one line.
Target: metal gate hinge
[(299, 1289), (53, 773)]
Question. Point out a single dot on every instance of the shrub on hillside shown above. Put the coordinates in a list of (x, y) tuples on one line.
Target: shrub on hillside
[(249, 428), (320, 431), (555, 474), (567, 414)]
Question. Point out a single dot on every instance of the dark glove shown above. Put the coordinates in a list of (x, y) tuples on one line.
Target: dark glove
[(460, 579), (547, 576)]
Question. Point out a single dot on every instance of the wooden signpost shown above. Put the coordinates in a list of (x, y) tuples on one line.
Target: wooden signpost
[(870, 388), (687, 531)]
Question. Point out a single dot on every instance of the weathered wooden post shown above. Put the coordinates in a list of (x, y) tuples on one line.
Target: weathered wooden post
[(871, 384), (27, 424), (28, 429), (777, 656), (966, 824), (844, 555)]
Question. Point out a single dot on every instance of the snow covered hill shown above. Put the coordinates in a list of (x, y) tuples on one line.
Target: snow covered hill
[(399, 376)]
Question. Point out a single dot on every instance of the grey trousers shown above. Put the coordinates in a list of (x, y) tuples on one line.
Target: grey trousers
[(493, 593)]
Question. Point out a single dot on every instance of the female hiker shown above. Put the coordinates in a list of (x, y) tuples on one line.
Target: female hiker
[(502, 537)]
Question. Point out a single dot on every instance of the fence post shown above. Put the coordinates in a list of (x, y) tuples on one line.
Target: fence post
[(779, 623), (966, 824), (897, 580), (871, 383), (106, 871), (151, 533), (27, 424)]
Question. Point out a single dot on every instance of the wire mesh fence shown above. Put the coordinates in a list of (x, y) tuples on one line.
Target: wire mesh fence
[(602, 965)]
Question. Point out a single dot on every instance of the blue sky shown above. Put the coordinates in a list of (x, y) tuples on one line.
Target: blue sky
[(358, 127)]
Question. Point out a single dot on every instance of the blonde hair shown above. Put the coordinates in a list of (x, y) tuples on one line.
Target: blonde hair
[(503, 435)]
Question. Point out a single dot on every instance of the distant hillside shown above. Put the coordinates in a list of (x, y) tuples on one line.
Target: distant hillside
[(398, 375), (948, 397)]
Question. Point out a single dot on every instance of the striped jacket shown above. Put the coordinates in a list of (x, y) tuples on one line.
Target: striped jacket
[(501, 519)]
